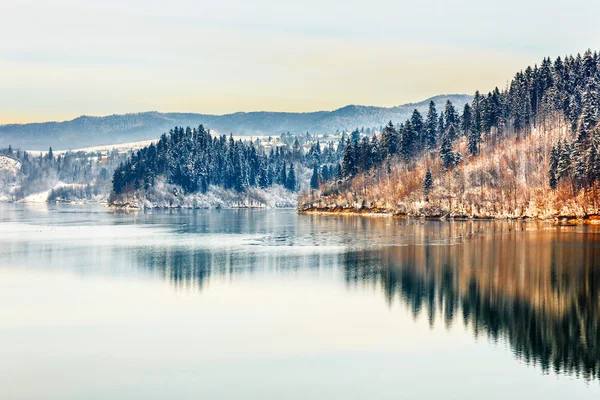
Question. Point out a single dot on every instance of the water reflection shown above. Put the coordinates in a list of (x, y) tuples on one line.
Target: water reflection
[(536, 290), (532, 286)]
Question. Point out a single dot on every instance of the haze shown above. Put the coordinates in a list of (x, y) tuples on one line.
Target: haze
[(65, 58)]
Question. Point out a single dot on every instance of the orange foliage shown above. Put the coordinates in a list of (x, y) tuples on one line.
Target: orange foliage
[(509, 179)]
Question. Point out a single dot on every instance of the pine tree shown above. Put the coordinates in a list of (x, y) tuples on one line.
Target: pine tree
[(365, 160), (552, 172), (473, 143), (476, 115), (449, 158), (564, 160), (408, 141), (291, 179), (593, 165), (451, 115), (441, 127), (314, 179), (417, 125), (263, 177), (389, 140), (297, 149), (431, 127), (349, 161), (451, 133), (355, 137), (375, 151), (589, 114), (466, 120), (283, 175), (427, 184)]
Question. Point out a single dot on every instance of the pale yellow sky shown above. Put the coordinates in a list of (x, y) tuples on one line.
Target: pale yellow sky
[(72, 57)]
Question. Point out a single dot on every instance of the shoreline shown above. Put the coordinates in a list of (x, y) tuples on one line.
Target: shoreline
[(367, 212)]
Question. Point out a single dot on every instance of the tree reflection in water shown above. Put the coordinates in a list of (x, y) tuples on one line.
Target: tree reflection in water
[(535, 289), (533, 286)]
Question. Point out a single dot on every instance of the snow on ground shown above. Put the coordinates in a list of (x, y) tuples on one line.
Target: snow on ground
[(164, 195), (40, 197), (9, 164), (121, 147), (109, 147)]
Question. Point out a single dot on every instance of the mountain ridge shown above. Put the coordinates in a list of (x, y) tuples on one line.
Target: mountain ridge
[(87, 131)]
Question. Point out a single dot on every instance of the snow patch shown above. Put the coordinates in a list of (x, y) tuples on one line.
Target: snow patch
[(9, 164), (164, 195)]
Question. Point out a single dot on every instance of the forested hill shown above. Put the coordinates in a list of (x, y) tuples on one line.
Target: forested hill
[(530, 150), (87, 131), (187, 167)]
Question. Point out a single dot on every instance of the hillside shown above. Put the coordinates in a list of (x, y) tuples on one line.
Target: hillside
[(509, 180), (87, 131), (190, 168), (530, 151)]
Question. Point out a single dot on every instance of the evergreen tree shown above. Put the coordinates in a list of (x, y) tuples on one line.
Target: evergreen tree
[(355, 137), (291, 179), (283, 179), (349, 161), (589, 114), (441, 127), (408, 141), (552, 172), (466, 121), (314, 179), (365, 159), (417, 125), (375, 151), (324, 175), (427, 184), (451, 115), (564, 160), (476, 124), (451, 133), (450, 159), (431, 127), (593, 165), (297, 149), (389, 140), (473, 143), (263, 178)]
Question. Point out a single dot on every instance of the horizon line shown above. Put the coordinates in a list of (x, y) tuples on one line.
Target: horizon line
[(229, 113)]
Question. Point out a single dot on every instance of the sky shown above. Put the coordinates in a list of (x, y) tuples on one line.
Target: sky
[(63, 58)]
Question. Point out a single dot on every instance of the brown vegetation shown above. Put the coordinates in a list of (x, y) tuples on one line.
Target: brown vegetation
[(508, 179)]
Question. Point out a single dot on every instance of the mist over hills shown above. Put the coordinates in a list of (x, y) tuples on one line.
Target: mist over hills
[(87, 131)]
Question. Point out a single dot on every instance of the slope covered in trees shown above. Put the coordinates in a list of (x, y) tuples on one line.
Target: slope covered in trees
[(192, 161), (70, 176), (529, 150)]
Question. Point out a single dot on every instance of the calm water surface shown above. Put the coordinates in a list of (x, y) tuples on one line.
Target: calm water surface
[(271, 305)]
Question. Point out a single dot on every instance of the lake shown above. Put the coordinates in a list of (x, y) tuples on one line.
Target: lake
[(230, 304)]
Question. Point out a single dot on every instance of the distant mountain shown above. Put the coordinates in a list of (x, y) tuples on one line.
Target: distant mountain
[(88, 131)]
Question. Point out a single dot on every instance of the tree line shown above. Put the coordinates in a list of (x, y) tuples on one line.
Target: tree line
[(194, 159), (38, 173), (566, 87)]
